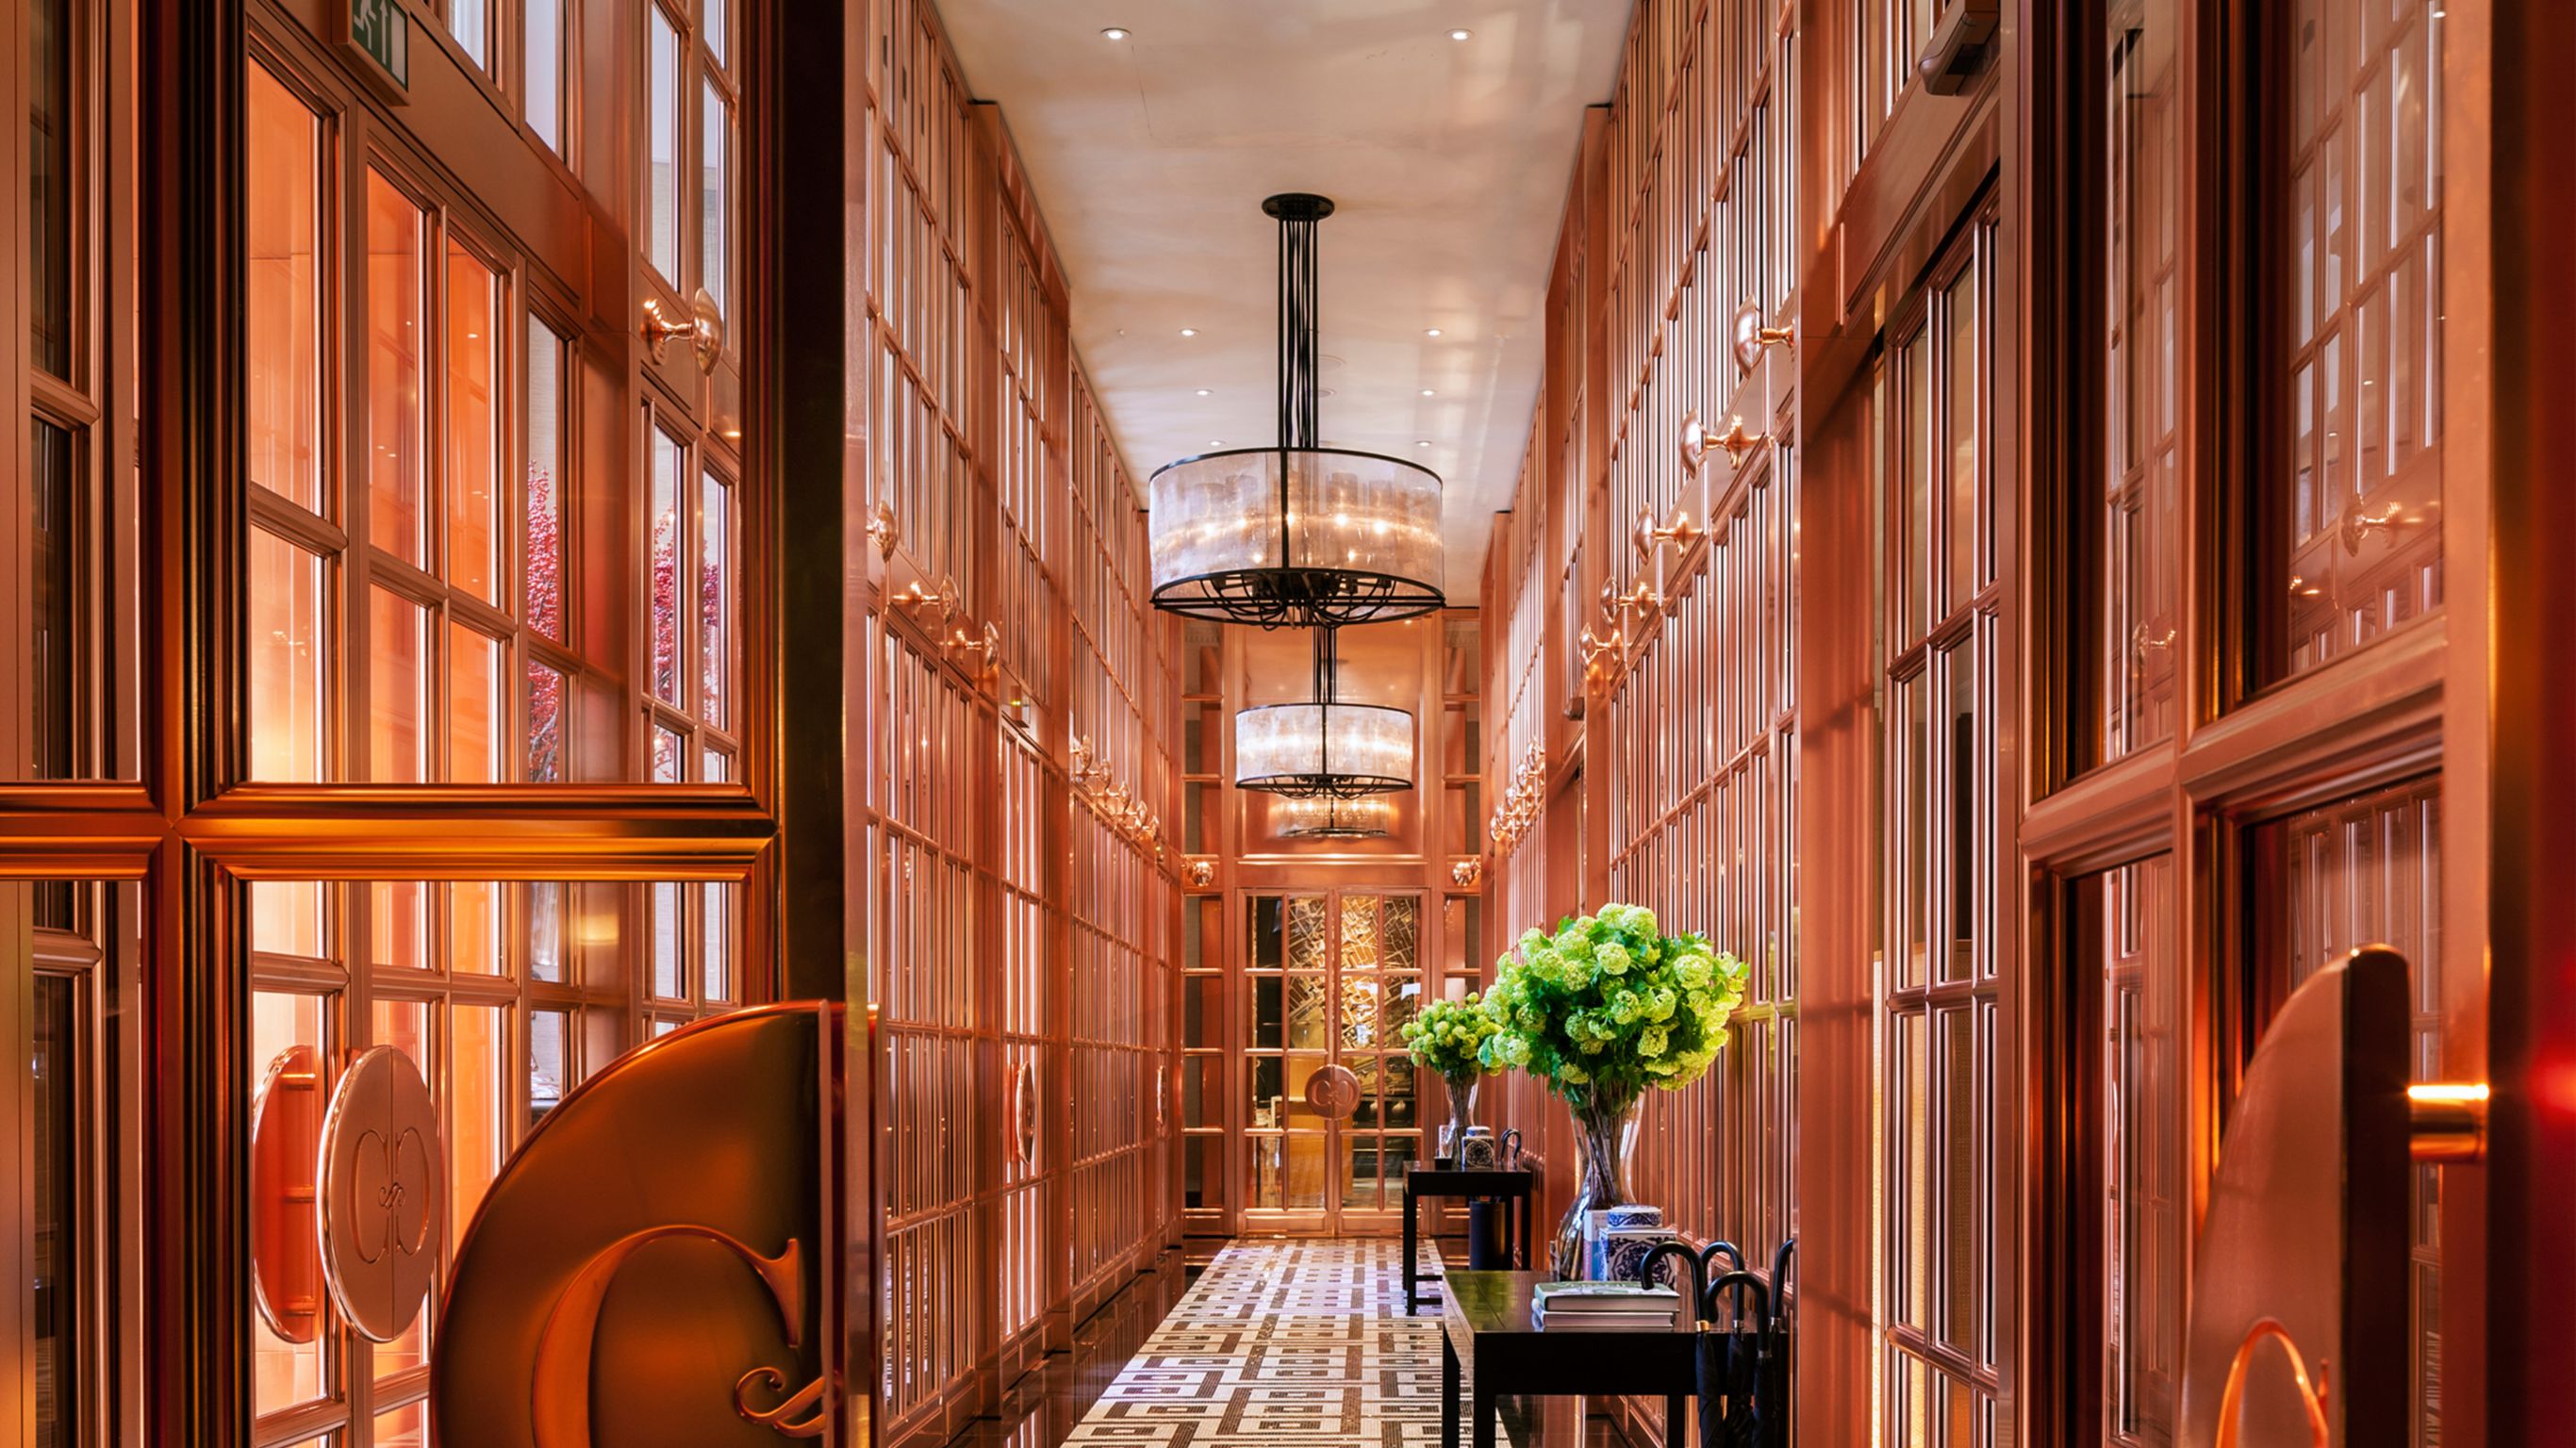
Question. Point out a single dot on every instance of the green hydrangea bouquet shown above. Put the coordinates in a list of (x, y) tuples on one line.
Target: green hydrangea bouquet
[(1448, 1040), (1602, 1009)]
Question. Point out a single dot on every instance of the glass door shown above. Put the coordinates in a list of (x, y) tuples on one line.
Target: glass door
[(1333, 1115)]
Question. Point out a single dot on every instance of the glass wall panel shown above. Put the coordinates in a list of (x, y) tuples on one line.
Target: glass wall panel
[(473, 459), (397, 343), (2351, 509), (282, 337), (662, 143)]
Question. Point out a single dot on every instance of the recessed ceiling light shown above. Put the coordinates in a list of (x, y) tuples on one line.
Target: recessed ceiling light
[(1203, 392), (1422, 444), (1114, 32), (1216, 442), (1427, 392), (1431, 331), (1189, 331), (1460, 34)]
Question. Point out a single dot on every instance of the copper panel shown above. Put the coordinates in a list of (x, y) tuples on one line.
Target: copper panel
[(658, 1261), (286, 1255), (383, 1193), (2304, 1242)]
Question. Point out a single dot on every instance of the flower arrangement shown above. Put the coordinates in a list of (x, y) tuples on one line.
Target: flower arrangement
[(1600, 1010), (1448, 1038)]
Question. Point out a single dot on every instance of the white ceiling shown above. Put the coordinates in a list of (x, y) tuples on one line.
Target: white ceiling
[(1448, 162)]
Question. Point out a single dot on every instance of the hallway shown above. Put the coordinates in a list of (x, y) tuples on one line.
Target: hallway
[(889, 723)]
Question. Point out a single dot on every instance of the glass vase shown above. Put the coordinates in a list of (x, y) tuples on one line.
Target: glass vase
[(1604, 1136), (1462, 1113)]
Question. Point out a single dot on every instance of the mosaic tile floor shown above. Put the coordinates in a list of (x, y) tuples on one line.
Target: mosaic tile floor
[(1282, 1343)]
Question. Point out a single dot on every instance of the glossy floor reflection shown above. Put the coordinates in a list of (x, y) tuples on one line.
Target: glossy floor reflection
[(1046, 1407)]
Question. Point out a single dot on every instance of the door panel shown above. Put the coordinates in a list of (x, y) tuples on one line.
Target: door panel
[(1330, 980)]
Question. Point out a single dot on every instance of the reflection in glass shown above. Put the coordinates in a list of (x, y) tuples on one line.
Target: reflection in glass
[(473, 425), (395, 343), (663, 512), (543, 384), (544, 52), (287, 630), (715, 597), (283, 1373), (61, 1299), (662, 140), (475, 721), (545, 724), (51, 198), (478, 1095), (53, 540), (281, 347), (715, 208), (397, 689)]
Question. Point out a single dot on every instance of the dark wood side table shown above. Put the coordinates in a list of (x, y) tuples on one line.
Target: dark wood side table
[(1423, 1181), (1488, 1349)]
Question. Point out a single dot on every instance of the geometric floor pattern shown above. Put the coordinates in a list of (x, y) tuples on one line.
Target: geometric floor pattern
[(1299, 1344)]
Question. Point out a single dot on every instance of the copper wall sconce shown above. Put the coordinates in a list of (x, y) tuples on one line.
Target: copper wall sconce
[(1697, 440), (884, 531), (702, 322), (1120, 808), (1752, 335), (1522, 801)]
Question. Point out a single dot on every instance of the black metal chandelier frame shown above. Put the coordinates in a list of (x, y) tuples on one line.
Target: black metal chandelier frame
[(1294, 593)]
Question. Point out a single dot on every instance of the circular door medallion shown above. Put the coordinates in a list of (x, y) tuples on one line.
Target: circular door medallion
[(383, 1193), (285, 1123), (1334, 1091)]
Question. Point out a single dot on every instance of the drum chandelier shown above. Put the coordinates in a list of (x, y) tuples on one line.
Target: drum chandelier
[(1298, 535), (1327, 818), (1324, 749)]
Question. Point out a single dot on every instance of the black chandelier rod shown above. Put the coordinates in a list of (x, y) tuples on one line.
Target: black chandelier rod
[(1300, 302), (1327, 676)]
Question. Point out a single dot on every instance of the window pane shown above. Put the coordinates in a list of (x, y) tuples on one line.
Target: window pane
[(2355, 496), (280, 343), (62, 1329), (478, 1090), (474, 927), (54, 699), (50, 223), (662, 134), (715, 598), (549, 1047), (667, 983), (470, 22), (286, 917), (394, 345), (398, 689), (287, 630), (669, 756), (1960, 353), (545, 724), (545, 418), (473, 425), (713, 18), (717, 928), (715, 212), (403, 1427), (398, 924), (545, 40), (546, 937), (665, 510), (475, 721)]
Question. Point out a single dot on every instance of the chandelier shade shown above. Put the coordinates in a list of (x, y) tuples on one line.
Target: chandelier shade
[(1327, 818), (1323, 750), (1307, 537), (1297, 535)]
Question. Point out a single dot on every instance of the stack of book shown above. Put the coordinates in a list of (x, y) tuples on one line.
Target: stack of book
[(1604, 1307)]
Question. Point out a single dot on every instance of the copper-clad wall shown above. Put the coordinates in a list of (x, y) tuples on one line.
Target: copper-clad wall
[(1021, 960)]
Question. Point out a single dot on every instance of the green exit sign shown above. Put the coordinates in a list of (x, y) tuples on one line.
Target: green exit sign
[(380, 33)]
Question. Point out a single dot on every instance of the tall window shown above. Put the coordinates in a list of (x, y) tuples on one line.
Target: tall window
[(2352, 532), (2138, 509), (1940, 988)]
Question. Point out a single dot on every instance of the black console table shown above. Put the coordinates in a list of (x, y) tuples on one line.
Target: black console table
[(1488, 1349), (1513, 1187)]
